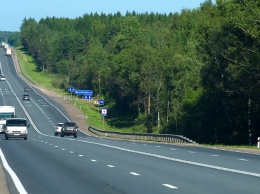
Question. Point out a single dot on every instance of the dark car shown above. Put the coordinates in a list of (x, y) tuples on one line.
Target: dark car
[(26, 97), (69, 128), (26, 89)]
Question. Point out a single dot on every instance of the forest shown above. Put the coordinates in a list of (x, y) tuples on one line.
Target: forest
[(195, 73)]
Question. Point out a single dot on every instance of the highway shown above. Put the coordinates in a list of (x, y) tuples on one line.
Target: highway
[(50, 164)]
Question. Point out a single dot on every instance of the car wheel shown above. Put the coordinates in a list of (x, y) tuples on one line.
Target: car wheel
[(62, 135), (55, 134), (25, 138), (6, 137), (75, 136)]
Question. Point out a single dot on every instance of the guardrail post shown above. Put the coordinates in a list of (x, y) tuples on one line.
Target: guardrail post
[(258, 142)]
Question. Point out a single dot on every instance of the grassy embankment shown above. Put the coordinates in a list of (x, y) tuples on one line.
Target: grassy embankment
[(92, 112)]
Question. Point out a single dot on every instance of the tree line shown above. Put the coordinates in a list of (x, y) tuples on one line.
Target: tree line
[(194, 73)]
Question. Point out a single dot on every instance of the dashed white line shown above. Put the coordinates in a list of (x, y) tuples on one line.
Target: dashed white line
[(244, 160), (134, 173), (158, 146), (80, 155), (92, 160), (56, 146), (192, 152), (173, 149), (63, 149), (170, 186), (71, 152), (214, 155), (111, 166)]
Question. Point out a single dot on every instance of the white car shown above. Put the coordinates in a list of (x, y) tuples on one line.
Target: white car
[(2, 77), (58, 128)]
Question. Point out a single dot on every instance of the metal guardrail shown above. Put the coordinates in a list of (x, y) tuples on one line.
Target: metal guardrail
[(168, 138)]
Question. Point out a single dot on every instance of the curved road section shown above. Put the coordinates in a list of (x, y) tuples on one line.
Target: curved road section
[(52, 164)]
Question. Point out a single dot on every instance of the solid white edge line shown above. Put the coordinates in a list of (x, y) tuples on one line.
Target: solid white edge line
[(15, 179)]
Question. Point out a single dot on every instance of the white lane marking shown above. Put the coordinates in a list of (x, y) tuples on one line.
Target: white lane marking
[(71, 152), (158, 146), (244, 160), (170, 186), (80, 155), (192, 152), (15, 179), (50, 144), (92, 160), (56, 146), (134, 173), (173, 149), (63, 149), (111, 166), (173, 159), (214, 155)]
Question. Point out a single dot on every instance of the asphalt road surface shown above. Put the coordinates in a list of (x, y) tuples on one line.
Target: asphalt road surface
[(51, 164)]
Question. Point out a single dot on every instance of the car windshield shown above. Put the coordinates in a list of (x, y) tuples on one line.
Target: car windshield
[(60, 125), (16, 122), (70, 124), (3, 116)]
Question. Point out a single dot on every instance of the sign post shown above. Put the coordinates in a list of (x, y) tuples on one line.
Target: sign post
[(258, 142), (71, 90), (104, 114), (88, 98)]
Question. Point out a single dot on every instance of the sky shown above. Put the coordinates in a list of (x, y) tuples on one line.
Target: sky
[(13, 12)]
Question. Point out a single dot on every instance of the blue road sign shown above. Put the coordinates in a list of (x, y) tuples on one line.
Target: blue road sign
[(104, 112), (84, 92), (101, 102), (87, 97), (71, 89)]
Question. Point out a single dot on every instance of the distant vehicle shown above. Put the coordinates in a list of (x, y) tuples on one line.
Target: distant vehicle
[(26, 97), (16, 128), (6, 112), (3, 44), (69, 128), (58, 128), (26, 89), (2, 77), (8, 52)]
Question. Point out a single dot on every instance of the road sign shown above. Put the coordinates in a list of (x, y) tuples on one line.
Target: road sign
[(101, 102), (71, 89), (87, 97), (84, 92), (104, 112)]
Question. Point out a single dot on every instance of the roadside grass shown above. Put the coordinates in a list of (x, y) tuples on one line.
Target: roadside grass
[(237, 147), (92, 112)]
